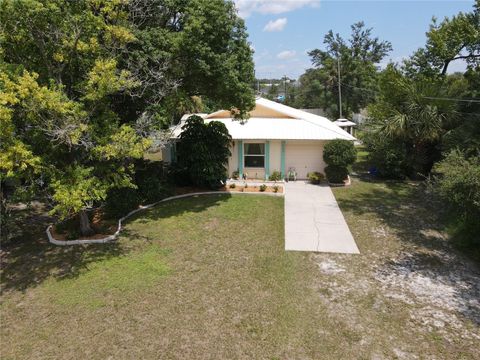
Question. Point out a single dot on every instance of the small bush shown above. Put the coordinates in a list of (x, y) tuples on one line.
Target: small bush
[(275, 188), (235, 175), (387, 156), (179, 176), (336, 174), (233, 186), (70, 227), (263, 187), (341, 153), (150, 180), (457, 182), (315, 177), (275, 176), (120, 201)]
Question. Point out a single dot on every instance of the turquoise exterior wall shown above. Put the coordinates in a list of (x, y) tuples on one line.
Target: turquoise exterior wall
[(240, 158), (267, 159)]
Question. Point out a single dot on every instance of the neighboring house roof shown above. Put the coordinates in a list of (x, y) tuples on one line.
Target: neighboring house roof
[(273, 121), (344, 122)]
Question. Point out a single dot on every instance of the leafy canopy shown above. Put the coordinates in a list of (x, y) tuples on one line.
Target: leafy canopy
[(85, 84), (358, 58)]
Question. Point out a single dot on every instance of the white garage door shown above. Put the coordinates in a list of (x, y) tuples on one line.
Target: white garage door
[(304, 158)]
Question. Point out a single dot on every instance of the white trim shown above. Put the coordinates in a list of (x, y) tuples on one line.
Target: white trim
[(258, 155)]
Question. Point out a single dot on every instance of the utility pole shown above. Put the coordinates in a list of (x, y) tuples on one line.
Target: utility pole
[(339, 87), (285, 86)]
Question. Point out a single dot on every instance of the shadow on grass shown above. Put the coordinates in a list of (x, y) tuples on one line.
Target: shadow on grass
[(29, 259), (426, 256), (196, 203)]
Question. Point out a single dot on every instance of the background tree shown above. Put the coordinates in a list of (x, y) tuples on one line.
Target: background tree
[(453, 39), (413, 113), (358, 58), (420, 110)]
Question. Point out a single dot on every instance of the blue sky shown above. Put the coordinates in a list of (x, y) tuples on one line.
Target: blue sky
[(282, 31)]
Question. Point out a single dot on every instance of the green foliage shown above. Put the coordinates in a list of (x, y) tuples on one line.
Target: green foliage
[(340, 153), (315, 177), (120, 201), (235, 175), (233, 186), (150, 182), (275, 176), (263, 187), (457, 181), (452, 39), (84, 84), (359, 56), (411, 112), (336, 174), (275, 188), (387, 156), (203, 151)]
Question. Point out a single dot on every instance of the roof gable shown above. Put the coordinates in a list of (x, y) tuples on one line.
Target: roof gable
[(259, 111), (271, 120)]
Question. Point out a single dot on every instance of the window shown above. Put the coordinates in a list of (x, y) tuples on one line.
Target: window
[(254, 155)]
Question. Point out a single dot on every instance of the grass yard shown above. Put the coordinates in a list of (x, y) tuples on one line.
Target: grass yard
[(207, 277)]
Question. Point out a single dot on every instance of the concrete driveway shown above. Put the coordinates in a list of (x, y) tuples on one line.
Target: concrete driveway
[(313, 220)]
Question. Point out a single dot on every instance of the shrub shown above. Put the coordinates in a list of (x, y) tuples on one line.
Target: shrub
[(457, 181), (179, 176), (315, 177), (336, 174), (149, 179), (120, 201), (389, 157), (235, 175), (341, 153), (275, 188), (275, 176), (263, 187), (233, 186), (203, 152)]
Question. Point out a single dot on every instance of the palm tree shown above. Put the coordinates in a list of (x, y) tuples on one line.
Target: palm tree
[(419, 118)]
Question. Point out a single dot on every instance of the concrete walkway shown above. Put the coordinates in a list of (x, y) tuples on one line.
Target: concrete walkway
[(313, 220)]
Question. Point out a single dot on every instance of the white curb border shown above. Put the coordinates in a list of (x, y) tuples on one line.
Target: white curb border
[(145, 207)]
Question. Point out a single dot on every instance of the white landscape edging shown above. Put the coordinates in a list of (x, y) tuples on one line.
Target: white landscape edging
[(143, 207)]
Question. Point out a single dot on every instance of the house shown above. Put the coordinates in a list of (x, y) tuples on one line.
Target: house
[(276, 137)]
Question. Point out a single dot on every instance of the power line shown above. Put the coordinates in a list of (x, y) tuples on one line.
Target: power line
[(452, 99)]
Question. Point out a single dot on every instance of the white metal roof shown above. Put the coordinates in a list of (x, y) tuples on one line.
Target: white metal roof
[(300, 126), (344, 122)]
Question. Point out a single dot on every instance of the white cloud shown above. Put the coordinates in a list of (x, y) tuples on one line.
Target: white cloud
[(247, 7), (276, 25), (287, 54)]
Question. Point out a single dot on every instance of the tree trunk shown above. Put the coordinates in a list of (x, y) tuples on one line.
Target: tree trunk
[(85, 228), (445, 67)]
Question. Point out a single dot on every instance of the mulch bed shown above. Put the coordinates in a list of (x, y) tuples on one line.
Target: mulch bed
[(251, 189)]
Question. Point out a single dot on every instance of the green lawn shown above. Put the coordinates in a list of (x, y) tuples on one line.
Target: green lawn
[(207, 277)]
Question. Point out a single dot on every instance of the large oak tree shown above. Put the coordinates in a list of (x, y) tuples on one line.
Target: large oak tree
[(84, 84)]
